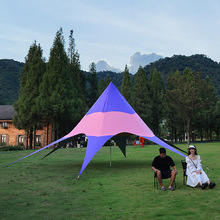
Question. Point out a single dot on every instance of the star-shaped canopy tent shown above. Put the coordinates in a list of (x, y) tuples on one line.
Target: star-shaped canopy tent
[(110, 116)]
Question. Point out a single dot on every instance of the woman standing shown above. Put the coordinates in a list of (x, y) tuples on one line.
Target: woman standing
[(195, 173)]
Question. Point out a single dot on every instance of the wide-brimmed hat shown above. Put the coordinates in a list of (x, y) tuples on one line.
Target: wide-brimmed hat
[(191, 146)]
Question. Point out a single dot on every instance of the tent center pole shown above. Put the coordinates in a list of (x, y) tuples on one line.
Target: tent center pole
[(110, 155)]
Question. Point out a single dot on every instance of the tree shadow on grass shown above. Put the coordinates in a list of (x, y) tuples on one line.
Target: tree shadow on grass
[(102, 166)]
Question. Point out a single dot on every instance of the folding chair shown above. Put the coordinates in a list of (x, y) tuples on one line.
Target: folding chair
[(184, 164), (156, 181)]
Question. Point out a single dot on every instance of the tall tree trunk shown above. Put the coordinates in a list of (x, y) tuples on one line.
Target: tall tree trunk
[(175, 136), (210, 132), (47, 131), (201, 136), (31, 139), (188, 131), (53, 131), (193, 136), (172, 135), (34, 137), (27, 138)]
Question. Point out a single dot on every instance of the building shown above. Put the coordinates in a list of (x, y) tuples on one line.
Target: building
[(10, 135)]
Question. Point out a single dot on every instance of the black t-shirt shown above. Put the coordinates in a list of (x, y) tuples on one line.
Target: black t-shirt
[(163, 163)]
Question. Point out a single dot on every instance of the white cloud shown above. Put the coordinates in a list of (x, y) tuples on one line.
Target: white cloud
[(139, 59), (103, 65)]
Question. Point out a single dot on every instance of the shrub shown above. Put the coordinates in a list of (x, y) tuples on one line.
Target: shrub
[(3, 147)]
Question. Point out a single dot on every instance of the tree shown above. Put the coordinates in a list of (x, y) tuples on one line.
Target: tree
[(77, 79), (216, 127), (103, 83), (205, 119), (141, 100), (57, 90), (28, 115), (126, 87), (173, 118), (156, 94), (184, 96), (93, 85), (1, 94)]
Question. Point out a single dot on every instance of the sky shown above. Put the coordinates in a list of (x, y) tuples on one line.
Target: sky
[(111, 30)]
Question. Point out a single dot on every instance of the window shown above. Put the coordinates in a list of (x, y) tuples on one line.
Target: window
[(3, 138), (4, 125), (38, 140), (21, 139)]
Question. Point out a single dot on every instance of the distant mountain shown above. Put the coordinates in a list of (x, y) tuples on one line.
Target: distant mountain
[(139, 59), (9, 81), (197, 62), (103, 65), (116, 78), (10, 73)]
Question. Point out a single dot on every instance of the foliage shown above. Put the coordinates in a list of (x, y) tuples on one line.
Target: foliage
[(93, 85), (116, 78), (197, 62), (156, 91), (177, 62), (49, 188), (188, 88), (78, 80), (205, 119), (10, 148), (103, 83), (126, 87), (142, 102), (57, 97), (9, 73), (9, 81), (27, 111)]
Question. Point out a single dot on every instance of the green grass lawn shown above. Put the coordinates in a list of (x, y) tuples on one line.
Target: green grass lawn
[(49, 188)]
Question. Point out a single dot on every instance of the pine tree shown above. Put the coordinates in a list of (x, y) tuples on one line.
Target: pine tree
[(173, 119), (126, 87), (207, 112), (156, 95), (141, 100), (2, 101), (185, 96), (57, 89), (103, 83), (77, 77), (28, 115), (108, 80), (216, 127), (93, 85)]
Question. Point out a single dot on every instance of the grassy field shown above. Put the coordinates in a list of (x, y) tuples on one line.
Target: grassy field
[(49, 188)]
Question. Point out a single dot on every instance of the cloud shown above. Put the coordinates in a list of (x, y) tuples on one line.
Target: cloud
[(139, 59), (103, 65), (135, 62)]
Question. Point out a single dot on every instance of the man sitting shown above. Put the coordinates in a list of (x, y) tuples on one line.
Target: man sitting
[(161, 166)]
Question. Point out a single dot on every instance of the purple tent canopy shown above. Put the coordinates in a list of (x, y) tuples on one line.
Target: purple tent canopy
[(110, 115)]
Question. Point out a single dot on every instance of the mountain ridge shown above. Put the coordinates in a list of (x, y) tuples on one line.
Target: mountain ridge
[(197, 62), (10, 73)]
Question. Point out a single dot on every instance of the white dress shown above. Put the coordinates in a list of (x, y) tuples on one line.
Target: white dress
[(192, 177)]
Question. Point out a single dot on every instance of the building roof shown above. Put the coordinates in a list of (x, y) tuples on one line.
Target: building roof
[(7, 112)]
